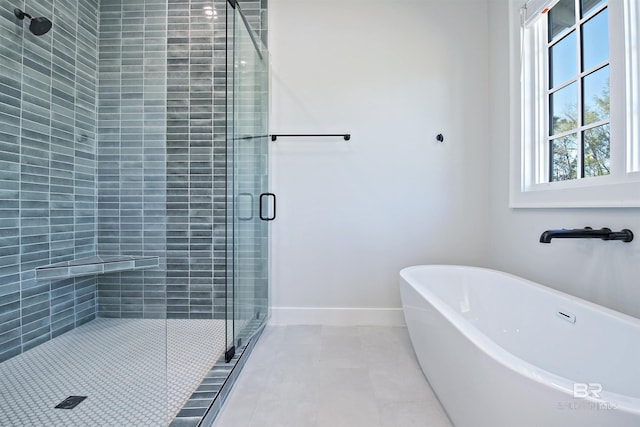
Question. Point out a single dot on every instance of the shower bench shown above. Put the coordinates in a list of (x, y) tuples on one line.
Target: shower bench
[(99, 264)]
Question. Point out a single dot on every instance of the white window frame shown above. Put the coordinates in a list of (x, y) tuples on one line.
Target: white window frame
[(529, 178)]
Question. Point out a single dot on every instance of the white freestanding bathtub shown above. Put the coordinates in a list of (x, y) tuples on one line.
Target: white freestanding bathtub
[(501, 351)]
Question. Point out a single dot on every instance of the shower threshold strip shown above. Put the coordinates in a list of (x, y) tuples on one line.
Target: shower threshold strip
[(206, 402)]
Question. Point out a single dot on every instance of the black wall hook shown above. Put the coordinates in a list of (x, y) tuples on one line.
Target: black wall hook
[(440, 138)]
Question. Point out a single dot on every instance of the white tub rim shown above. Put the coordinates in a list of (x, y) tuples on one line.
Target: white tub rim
[(509, 360)]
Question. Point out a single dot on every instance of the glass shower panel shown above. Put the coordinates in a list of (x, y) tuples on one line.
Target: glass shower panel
[(83, 336), (230, 173), (247, 131)]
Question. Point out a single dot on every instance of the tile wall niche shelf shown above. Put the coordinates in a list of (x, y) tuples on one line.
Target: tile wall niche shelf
[(95, 265)]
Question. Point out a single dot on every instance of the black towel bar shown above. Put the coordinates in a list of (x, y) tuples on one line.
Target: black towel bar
[(346, 136)]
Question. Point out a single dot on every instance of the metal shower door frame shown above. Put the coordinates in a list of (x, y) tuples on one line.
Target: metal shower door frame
[(247, 175)]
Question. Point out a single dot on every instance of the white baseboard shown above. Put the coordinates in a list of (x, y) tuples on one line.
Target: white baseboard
[(337, 316)]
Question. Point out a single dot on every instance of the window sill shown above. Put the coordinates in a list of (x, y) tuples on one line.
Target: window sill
[(581, 195)]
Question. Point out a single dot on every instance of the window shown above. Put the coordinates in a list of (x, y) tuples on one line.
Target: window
[(577, 140), (578, 96)]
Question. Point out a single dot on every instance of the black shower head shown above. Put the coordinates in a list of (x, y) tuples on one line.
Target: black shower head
[(38, 26)]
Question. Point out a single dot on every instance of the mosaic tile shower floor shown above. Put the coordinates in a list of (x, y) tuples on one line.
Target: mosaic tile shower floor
[(135, 372)]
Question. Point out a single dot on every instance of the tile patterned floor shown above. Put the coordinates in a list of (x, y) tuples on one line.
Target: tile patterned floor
[(135, 372), (316, 376)]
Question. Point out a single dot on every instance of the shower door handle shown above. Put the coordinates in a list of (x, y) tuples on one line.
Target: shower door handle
[(246, 207), (262, 216)]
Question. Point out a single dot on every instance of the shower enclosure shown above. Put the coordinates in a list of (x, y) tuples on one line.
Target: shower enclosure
[(247, 139), (133, 208)]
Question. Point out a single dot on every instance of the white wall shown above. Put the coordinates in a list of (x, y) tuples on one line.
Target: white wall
[(352, 214), (607, 273)]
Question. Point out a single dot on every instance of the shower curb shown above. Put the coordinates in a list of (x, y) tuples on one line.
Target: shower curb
[(205, 403)]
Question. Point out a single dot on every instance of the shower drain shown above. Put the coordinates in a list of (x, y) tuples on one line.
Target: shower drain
[(70, 402)]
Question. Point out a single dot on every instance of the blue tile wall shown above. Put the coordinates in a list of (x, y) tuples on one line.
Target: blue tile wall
[(132, 153), (177, 162), (195, 159), (112, 141), (48, 92)]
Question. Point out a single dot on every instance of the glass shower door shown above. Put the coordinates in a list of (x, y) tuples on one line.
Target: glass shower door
[(253, 207)]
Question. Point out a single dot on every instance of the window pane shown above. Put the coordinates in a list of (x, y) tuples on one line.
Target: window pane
[(564, 158), (561, 17), (595, 100), (596, 151), (588, 5), (562, 60), (595, 40), (563, 109)]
